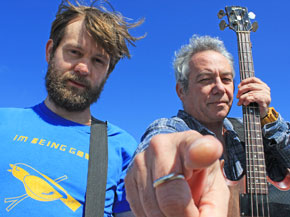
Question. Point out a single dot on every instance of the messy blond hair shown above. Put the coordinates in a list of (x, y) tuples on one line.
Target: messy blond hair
[(108, 28)]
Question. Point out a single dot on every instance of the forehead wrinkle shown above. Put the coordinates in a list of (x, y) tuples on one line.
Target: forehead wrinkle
[(210, 62), (78, 37)]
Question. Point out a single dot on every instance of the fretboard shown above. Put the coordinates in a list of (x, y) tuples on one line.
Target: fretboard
[(255, 160)]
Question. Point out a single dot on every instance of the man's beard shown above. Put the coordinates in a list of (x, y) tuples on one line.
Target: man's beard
[(71, 98)]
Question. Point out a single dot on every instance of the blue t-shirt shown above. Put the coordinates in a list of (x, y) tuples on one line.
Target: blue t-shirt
[(44, 164)]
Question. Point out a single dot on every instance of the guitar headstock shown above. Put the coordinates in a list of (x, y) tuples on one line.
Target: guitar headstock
[(238, 19)]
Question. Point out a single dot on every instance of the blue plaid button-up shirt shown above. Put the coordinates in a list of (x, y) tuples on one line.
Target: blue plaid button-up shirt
[(275, 138)]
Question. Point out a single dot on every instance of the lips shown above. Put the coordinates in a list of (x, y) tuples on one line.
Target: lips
[(219, 102), (77, 83)]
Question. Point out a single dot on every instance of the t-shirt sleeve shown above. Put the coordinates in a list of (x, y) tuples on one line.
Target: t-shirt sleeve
[(128, 147)]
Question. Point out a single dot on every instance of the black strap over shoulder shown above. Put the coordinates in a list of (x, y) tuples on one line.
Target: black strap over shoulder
[(238, 127), (97, 171)]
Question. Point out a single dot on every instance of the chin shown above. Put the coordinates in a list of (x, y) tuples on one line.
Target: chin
[(221, 115)]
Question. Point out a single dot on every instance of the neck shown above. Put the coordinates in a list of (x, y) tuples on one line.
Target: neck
[(82, 117), (216, 128)]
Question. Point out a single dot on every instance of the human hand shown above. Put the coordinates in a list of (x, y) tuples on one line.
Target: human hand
[(188, 153), (254, 90)]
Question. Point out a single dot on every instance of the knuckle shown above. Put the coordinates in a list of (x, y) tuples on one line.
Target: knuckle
[(158, 143), (139, 163)]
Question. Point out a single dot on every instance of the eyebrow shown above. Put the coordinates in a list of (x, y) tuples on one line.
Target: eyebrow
[(205, 73), (228, 73), (99, 54), (102, 56)]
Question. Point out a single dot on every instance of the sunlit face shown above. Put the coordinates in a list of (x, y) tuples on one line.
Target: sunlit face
[(210, 90), (77, 71)]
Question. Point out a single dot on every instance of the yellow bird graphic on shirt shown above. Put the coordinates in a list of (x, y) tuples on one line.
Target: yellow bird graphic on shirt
[(39, 187)]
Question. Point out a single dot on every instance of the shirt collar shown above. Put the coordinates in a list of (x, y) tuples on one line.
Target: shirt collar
[(195, 124)]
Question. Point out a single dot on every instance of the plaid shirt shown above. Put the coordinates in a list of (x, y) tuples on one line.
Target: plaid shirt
[(276, 139)]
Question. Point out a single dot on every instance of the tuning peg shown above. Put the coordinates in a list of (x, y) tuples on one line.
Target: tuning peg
[(254, 26), (223, 25), (251, 15), (221, 14)]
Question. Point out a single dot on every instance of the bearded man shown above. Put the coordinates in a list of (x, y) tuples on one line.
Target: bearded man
[(45, 148)]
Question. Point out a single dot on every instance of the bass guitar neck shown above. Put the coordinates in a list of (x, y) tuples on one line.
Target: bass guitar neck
[(255, 195)]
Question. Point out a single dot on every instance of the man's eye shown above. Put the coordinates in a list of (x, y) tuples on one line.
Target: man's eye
[(227, 79), (75, 52), (98, 60), (204, 80)]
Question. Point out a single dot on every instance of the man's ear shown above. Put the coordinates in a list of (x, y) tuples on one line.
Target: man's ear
[(48, 49), (180, 91)]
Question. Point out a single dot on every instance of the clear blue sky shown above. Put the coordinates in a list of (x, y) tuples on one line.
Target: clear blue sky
[(142, 89)]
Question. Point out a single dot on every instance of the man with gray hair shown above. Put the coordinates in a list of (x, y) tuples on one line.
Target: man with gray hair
[(176, 170)]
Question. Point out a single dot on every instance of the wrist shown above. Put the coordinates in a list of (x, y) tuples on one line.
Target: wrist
[(271, 116)]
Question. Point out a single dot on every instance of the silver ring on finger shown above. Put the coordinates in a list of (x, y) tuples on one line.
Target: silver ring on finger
[(167, 178)]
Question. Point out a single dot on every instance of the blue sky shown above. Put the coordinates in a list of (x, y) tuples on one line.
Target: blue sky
[(142, 89)]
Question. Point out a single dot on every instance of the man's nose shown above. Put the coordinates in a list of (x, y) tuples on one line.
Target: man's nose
[(219, 86), (82, 68)]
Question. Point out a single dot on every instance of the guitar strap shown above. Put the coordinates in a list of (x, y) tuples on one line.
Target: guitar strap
[(97, 171), (238, 128)]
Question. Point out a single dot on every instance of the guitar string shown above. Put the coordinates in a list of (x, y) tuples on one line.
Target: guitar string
[(262, 184), (251, 142), (252, 185), (249, 163), (252, 112), (240, 48)]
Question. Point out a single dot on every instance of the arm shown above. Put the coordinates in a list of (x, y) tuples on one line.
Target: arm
[(125, 146), (276, 137), (187, 153)]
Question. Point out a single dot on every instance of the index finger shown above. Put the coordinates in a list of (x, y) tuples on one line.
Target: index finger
[(181, 152), (202, 152)]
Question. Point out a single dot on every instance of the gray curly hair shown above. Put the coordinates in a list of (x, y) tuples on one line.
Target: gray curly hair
[(196, 44)]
